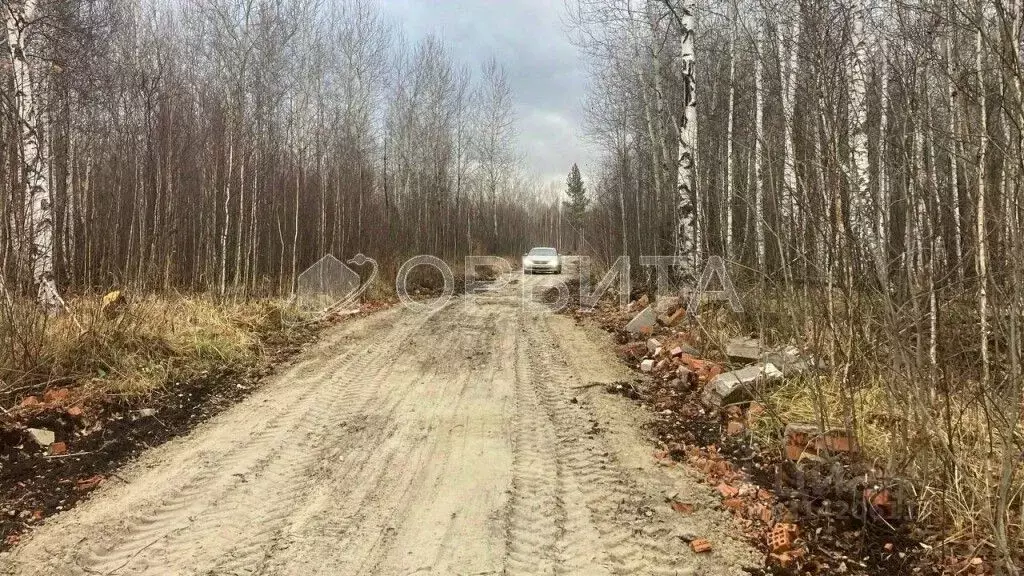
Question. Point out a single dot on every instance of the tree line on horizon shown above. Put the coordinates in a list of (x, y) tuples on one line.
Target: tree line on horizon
[(225, 145)]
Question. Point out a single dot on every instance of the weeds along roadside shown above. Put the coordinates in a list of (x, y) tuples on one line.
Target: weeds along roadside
[(151, 343), (85, 391), (910, 393), (110, 382), (158, 339), (904, 374)]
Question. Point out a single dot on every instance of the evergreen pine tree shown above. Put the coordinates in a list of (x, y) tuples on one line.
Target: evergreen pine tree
[(576, 205)]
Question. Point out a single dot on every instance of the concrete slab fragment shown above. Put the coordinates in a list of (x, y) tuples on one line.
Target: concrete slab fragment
[(643, 322)]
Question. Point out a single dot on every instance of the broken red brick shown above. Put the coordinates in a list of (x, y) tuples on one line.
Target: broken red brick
[(676, 316), (714, 370), (721, 468), (780, 539), (54, 396), (701, 545), (838, 441), (799, 440), (58, 448), (727, 491), (682, 507), (879, 499), (801, 434), (89, 483), (734, 428), (763, 513), (733, 504), (633, 350), (794, 452), (755, 411), (808, 437)]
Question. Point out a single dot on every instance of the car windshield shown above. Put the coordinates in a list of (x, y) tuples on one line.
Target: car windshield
[(543, 252)]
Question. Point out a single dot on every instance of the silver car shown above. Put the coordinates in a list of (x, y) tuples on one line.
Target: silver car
[(542, 260)]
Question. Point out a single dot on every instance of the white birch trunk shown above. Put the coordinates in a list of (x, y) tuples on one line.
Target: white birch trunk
[(659, 115), (982, 253), (788, 106), (223, 264), (731, 153), (686, 198), (758, 152), (937, 246), (882, 215), (860, 190), (39, 209), (622, 206), (954, 171)]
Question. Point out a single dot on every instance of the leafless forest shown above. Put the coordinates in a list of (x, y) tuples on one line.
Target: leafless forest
[(858, 163), (226, 145)]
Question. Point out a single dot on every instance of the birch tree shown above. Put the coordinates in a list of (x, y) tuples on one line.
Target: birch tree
[(685, 238), (758, 160), (730, 161), (789, 69), (859, 176), (898, 127), (34, 173)]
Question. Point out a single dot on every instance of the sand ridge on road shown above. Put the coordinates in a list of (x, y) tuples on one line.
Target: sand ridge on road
[(460, 441)]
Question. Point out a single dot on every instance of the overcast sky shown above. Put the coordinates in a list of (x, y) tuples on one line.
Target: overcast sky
[(527, 37)]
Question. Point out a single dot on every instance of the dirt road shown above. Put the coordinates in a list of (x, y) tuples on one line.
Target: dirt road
[(460, 441)]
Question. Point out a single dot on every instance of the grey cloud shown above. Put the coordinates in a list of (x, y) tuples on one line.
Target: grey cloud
[(527, 37)]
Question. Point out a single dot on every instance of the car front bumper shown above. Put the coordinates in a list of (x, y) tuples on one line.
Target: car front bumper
[(541, 267)]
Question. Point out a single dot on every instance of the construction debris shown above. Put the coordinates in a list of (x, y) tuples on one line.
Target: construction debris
[(666, 304), (643, 322), (701, 545), (707, 414), (789, 360), (653, 346), (781, 537), (41, 436), (807, 440), (744, 349), (737, 385)]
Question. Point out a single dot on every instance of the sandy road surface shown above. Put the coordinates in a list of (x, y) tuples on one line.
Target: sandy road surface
[(459, 442)]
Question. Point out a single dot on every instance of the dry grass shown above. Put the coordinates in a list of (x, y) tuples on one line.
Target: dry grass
[(820, 401), (154, 342), (932, 426)]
